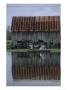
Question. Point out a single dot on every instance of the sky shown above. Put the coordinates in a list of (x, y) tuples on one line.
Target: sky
[(31, 10)]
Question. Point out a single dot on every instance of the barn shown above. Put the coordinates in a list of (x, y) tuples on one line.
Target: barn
[(35, 31)]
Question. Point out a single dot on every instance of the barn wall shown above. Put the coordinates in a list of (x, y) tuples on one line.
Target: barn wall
[(35, 36)]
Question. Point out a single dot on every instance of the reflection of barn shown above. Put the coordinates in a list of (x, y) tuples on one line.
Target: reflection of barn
[(36, 30), (33, 66)]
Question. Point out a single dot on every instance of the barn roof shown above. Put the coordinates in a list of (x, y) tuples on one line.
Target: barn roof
[(35, 23)]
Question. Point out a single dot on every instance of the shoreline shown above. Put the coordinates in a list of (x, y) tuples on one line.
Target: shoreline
[(34, 50)]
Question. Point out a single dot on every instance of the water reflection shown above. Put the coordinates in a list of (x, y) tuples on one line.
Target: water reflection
[(36, 66)]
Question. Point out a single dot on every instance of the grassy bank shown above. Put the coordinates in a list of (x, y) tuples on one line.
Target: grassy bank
[(54, 50), (33, 50)]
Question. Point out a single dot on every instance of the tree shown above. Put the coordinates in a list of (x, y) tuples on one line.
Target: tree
[(8, 33)]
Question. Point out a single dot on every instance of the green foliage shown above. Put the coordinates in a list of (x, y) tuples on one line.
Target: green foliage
[(8, 44), (8, 33)]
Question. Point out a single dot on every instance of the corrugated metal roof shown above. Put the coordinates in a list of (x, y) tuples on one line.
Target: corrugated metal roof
[(35, 23)]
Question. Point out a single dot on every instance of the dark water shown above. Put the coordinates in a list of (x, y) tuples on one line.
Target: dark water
[(33, 69)]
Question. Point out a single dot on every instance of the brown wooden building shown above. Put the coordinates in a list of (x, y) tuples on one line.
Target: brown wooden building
[(36, 28)]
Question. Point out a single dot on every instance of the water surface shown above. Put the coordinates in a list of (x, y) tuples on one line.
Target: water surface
[(33, 69)]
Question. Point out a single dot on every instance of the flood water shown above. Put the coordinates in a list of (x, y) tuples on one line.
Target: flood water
[(33, 69)]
